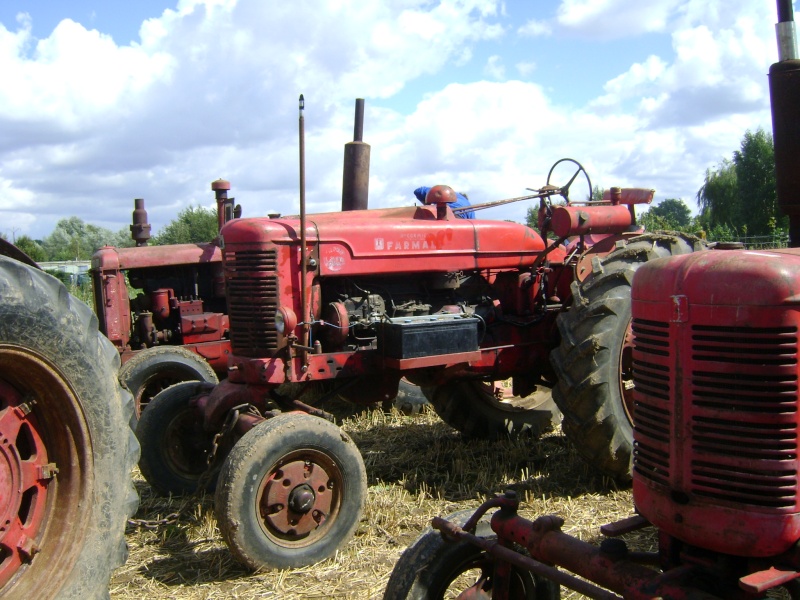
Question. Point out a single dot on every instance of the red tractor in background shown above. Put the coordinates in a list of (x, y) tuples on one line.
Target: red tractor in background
[(716, 437), (164, 307), (348, 303)]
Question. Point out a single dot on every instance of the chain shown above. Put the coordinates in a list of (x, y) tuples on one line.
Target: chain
[(154, 523)]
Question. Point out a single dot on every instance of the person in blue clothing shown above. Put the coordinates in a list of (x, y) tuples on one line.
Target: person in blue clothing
[(461, 201)]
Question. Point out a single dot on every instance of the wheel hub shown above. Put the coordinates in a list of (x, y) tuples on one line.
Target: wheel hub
[(24, 478), (297, 498), (301, 499)]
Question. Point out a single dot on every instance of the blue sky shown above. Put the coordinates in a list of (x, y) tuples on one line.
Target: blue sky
[(108, 101)]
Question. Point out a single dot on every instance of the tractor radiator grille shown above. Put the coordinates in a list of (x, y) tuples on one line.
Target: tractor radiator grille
[(736, 397), (251, 279), (744, 427), (652, 408)]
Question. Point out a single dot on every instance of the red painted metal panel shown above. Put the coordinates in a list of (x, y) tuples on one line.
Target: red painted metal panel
[(716, 374)]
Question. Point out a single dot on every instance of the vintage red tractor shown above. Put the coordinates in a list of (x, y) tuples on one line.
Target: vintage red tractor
[(164, 307), (66, 447), (348, 303), (715, 467)]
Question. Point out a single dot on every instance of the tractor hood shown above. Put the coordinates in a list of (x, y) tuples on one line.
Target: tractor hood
[(394, 240)]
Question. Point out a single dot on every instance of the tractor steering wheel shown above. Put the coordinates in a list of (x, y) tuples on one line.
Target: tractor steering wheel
[(564, 190)]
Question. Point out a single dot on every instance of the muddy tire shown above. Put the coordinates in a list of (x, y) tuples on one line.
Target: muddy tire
[(290, 493), (481, 411), (66, 450), (433, 568), (175, 447), (153, 370), (592, 362)]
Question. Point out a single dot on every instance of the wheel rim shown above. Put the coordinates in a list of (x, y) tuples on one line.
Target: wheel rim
[(626, 373), (153, 386), (299, 499), (186, 445), (473, 578), (45, 473)]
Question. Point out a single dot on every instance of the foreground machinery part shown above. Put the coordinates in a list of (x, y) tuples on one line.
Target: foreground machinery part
[(176, 450), (66, 449), (153, 370), (481, 410), (433, 568), (290, 493), (593, 361)]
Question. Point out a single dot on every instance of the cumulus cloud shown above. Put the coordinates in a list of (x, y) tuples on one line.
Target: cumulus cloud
[(210, 90)]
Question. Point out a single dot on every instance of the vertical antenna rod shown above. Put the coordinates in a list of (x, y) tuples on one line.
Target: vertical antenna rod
[(303, 301)]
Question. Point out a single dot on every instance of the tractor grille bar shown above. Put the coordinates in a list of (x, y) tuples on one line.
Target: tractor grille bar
[(251, 280)]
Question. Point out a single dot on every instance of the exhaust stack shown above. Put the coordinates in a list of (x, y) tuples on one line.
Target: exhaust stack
[(140, 228), (784, 91), (355, 177)]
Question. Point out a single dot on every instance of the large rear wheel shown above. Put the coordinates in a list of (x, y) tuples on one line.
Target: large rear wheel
[(593, 361), (66, 450)]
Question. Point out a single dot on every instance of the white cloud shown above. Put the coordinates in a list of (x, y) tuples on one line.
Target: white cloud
[(607, 19), (211, 91), (494, 68), (535, 28)]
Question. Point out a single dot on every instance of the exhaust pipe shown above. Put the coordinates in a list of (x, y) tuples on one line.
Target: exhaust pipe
[(355, 177), (784, 91), (140, 229)]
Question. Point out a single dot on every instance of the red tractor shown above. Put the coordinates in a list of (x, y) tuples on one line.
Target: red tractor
[(716, 444), (348, 303), (66, 447), (163, 307)]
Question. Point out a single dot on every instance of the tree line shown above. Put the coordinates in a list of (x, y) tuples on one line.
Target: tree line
[(74, 239)]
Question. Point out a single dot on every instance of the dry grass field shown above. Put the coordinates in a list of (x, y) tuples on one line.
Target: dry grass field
[(417, 468)]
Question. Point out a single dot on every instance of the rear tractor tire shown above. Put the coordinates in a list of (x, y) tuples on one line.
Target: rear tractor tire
[(290, 493), (66, 448), (481, 410), (153, 370), (593, 361)]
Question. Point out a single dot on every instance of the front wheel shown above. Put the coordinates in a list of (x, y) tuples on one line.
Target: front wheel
[(153, 370), (175, 447), (489, 410), (593, 361), (290, 493), (433, 568)]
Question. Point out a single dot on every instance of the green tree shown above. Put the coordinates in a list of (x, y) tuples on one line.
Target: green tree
[(192, 225), (674, 211), (755, 177), (73, 239), (718, 198), (740, 194), (31, 248)]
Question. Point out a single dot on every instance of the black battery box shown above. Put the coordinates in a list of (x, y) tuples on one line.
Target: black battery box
[(427, 335)]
